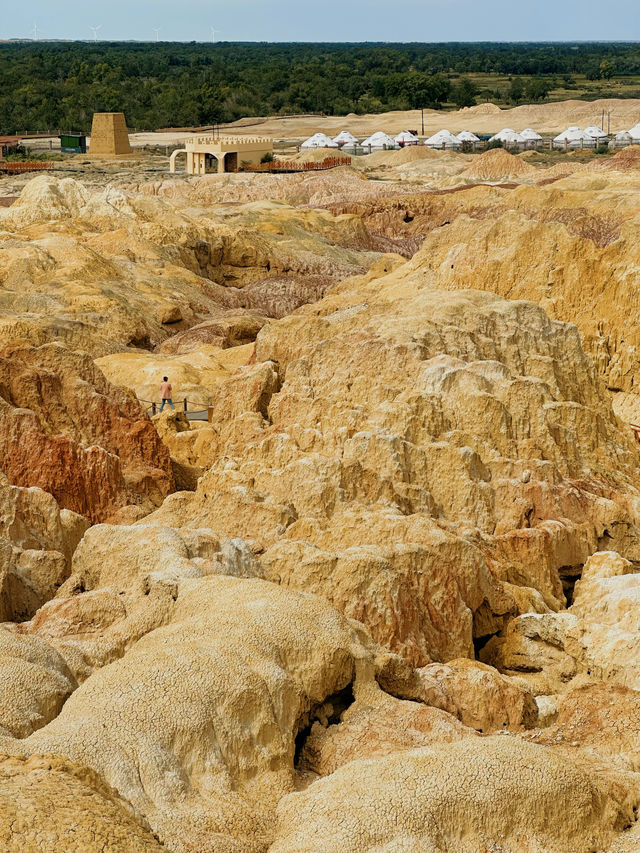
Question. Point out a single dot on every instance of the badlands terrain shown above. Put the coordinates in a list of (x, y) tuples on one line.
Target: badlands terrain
[(387, 600)]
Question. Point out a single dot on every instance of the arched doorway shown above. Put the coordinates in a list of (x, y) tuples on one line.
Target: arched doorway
[(174, 157), (231, 161)]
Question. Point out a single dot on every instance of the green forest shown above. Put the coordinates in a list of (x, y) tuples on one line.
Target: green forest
[(59, 85)]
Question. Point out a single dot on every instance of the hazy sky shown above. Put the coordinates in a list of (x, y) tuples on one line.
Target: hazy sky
[(329, 20)]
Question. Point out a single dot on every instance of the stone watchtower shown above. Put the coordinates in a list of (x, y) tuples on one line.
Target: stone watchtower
[(109, 135)]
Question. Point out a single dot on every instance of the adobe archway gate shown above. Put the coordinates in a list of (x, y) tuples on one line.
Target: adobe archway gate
[(228, 151), (174, 157)]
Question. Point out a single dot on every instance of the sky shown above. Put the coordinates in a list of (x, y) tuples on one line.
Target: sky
[(327, 20)]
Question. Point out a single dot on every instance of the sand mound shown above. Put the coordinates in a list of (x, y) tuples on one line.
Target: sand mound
[(398, 157), (314, 155), (482, 110), (411, 154), (559, 171), (497, 165), (627, 160)]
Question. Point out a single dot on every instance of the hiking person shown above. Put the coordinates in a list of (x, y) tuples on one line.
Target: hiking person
[(166, 391)]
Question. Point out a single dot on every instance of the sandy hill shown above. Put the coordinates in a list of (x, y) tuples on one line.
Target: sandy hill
[(550, 118), (497, 165)]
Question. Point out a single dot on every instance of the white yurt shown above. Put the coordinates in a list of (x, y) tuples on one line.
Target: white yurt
[(595, 132), (573, 137), (443, 139), (319, 140), (634, 133), (345, 138), (622, 139), (508, 136), (530, 135), (406, 138), (467, 136), (379, 140)]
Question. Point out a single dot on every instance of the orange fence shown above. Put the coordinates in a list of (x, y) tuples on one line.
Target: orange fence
[(13, 168), (283, 166)]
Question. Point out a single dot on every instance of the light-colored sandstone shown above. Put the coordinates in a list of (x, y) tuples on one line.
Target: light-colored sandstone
[(48, 803), (484, 699), (195, 725), (595, 640), (423, 457), (414, 469), (477, 793)]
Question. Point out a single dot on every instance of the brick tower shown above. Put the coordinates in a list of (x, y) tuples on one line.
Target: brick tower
[(109, 135)]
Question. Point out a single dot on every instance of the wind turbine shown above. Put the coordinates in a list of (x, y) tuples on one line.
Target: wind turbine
[(95, 31), (35, 32), (213, 33), (156, 31)]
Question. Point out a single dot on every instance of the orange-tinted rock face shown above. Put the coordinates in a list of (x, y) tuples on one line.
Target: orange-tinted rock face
[(64, 428)]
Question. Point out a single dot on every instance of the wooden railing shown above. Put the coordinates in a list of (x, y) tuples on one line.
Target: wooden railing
[(152, 407), (284, 166), (19, 166)]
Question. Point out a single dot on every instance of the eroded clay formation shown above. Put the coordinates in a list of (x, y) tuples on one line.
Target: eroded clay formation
[(386, 598)]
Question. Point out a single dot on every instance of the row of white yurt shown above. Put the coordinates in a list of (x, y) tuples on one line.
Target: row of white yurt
[(627, 137), (345, 139), (445, 139)]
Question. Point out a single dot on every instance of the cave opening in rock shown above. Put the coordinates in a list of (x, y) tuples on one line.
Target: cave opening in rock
[(480, 642), (327, 713), (568, 576)]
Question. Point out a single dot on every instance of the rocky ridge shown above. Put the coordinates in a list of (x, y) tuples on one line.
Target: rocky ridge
[(396, 608)]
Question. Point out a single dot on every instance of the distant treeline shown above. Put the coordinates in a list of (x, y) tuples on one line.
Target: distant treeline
[(60, 84)]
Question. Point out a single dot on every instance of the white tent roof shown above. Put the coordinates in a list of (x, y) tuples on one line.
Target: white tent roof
[(319, 140), (595, 132), (530, 134), (467, 136), (379, 140), (573, 134), (508, 134), (624, 136), (344, 137), (407, 137), (442, 137), (635, 131)]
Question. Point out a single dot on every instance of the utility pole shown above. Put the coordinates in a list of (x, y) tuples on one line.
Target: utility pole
[(422, 111)]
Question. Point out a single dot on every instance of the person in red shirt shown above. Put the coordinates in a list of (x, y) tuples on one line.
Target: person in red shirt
[(167, 393)]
